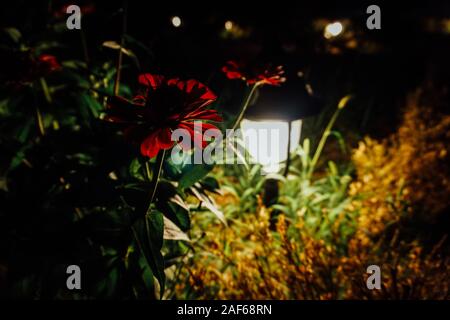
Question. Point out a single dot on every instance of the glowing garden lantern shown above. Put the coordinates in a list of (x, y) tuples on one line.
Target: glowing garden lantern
[(271, 128), (268, 141)]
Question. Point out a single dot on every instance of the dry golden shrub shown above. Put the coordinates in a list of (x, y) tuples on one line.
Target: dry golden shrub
[(408, 173), (250, 261)]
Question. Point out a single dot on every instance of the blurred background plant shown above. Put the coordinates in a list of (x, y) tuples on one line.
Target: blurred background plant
[(332, 223)]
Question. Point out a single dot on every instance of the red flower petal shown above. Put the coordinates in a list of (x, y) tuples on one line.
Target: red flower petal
[(158, 140), (231, 70), (196, 89), (232, 74), (165, 138), (150, 147), (122, 111), (46, 63), (151, 80), (186, 138), (207, 114), (191, 84), (196, 94), (139, 99), (173, 82), (262, 74), (211, 134), (195, 132), (208, 126), (208, 94)]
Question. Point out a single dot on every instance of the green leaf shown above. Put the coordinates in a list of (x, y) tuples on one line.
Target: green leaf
[(23, 132), (116, 46), (74, 64), (211, 184), (340, 140), (18, 157), (172, 232), (254, 171), (4, 110), (135, 169), (109, 283), (47, 45), (280, 207), (304, 154), (247, 193), (93, 105), (133, 41), (209, 204), (276, 176), (179, 212), (149, 236), (13, 33), (259, 185), (197, 173), (333, 168), (344, 101)]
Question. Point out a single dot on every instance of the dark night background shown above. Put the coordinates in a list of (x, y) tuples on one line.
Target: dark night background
[(379, 69)]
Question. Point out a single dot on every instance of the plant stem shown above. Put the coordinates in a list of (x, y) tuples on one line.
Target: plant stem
[(156, 175), (288, 159), (85, 48), (323, 140), (46, 90), (245, 106), (122, 43), (40, 122), (48, 98)]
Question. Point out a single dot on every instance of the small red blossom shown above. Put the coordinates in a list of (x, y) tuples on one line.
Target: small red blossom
[(84, 9), (254, 75), (21, 68), (166, 104), (46, 64)]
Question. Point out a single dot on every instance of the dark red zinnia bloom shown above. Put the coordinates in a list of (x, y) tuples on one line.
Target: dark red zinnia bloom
[(165, 105), (254, 75)]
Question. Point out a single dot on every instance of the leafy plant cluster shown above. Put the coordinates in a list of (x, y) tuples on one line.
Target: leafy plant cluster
[(73, 191)]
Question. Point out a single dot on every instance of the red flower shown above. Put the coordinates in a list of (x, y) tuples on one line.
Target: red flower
[(21, 68), (267, 75), (46, 64), (84, 10), (165, 105)]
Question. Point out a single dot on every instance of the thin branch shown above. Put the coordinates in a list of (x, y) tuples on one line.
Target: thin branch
[(122, 43)]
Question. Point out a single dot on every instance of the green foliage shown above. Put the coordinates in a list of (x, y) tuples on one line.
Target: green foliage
[(193, 174), (149, 235), (318, 199)]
